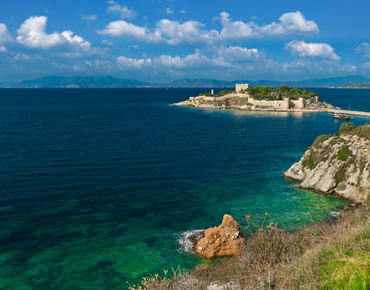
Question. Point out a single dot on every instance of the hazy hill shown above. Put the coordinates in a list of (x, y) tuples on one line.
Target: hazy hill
[(112, 82)]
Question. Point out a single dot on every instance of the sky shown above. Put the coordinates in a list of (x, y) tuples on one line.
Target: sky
[(165, 40)]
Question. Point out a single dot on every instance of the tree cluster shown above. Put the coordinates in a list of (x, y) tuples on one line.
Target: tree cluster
[(268, 93)]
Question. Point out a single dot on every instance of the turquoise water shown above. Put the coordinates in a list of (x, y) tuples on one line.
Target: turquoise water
[(99, 185)]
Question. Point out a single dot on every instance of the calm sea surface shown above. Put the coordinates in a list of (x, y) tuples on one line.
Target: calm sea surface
[(98, 185)]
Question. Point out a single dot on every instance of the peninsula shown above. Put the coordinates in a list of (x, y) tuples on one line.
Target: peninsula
[(244, 97)]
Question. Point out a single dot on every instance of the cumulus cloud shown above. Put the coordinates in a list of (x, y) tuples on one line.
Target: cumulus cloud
[(304, 49), (89, 17), (169, 11), (364, 48), (125, 63), (193, 31), (123, 28), (3, 49), (4, 34), (32, 34), (173, 32), (124, 12)]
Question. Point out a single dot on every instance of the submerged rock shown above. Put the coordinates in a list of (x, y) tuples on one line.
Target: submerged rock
[(225, 240)]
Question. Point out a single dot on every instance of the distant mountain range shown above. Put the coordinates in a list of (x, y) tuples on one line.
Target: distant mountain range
[(112, 82)]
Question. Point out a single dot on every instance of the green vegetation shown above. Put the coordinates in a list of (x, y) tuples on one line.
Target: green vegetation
[(345, 127), (267, 93), (220, 94), (344, 153), (341, 187), (320, 139)]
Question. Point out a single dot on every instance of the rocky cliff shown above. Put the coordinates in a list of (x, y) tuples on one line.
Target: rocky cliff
[(337, 164)]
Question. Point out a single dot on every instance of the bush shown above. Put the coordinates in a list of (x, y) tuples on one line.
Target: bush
[(320, 140), (345, 127), (344, 153), (341, 187)]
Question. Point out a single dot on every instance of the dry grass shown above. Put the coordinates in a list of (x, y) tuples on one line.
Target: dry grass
[(328, 255)]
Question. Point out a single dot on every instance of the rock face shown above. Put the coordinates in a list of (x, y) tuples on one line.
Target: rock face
[(337, 164), (225, 240)]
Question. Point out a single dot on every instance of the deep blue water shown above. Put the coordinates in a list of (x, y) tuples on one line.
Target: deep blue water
[(97, 185)]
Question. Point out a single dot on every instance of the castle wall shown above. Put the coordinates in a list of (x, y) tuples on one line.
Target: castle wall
[(284, 104), (239, 87)]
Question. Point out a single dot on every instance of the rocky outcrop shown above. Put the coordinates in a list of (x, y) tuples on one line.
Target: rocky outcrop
[(225, 240), (337, 164)]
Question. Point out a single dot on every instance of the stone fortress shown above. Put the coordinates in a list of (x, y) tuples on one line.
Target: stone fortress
[(285, 104)]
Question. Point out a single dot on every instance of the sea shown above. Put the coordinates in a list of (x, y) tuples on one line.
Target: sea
[(98, 186)]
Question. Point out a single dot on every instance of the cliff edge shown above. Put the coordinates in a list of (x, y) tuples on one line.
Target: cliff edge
[(337, 164)]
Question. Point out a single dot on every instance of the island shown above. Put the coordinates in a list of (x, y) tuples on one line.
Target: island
[(261, 98)]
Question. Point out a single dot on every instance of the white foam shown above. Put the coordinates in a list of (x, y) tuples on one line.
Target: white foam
[(186, 243)]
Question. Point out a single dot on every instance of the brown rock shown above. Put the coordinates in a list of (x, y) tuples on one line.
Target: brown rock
[(225, 240)]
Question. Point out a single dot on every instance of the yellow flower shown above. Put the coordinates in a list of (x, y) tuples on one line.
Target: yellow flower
[(247, 216), (266, 214)]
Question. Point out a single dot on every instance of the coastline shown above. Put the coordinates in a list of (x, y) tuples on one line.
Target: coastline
[(245, 108)]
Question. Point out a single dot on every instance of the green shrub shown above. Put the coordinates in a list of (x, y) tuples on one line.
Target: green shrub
[(320, 140), (341, 176), (364, 132), (345, 127), (341, 187), (344, 153)]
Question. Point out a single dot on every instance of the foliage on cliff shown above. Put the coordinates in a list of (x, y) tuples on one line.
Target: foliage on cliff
[(267, 93)]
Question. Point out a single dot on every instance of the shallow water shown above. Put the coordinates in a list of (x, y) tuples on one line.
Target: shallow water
[(99, 185)]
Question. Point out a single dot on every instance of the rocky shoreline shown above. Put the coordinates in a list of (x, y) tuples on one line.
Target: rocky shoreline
[(316, 107)]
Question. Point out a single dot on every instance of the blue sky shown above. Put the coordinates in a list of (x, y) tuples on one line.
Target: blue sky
[(164, 40)]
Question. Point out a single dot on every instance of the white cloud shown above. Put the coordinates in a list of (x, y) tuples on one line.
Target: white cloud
[(107, 42), (32, 34), (21, 56), (291, 23), (89, 17), (230, 58), (4, 34), (3, 49), (135, 47), (364, 48), (125, 63), (123, 28), (366, 66), (182, 11), (193, 31), (304, 49), (173, 32), (238, 54), (124, 12), (169, 11)]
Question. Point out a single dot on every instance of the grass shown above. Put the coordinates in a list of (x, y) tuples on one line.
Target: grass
[(327, 255)]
